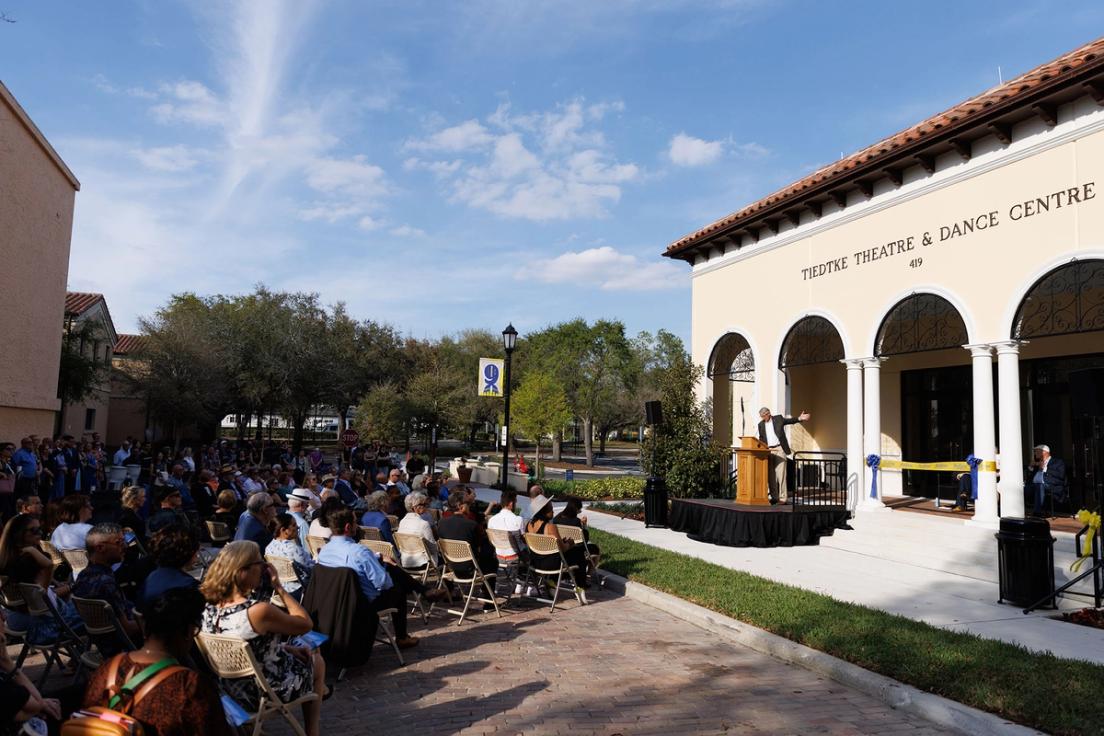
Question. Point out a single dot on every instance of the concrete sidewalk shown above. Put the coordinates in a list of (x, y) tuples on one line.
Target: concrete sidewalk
[(939, 571), (927, 569)]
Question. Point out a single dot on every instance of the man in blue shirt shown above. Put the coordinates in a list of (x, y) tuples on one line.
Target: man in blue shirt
[(383, 583), (256, 523), (25, 463)]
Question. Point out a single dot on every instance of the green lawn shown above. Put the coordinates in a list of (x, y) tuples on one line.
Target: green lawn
[(1059, 696)]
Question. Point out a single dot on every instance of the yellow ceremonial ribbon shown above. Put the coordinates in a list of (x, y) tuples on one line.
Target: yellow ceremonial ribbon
[(1090, 519), (954, 467)]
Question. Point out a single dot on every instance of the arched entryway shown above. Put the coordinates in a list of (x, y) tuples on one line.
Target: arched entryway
[(923, 336), (816, 381), (1059, 325), (731, 374)]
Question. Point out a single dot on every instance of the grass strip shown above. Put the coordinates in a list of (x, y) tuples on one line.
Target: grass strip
[(1060, 696)]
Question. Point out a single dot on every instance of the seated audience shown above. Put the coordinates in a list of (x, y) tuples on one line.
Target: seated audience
[(20, 700), (97, 581), (76, 510), (174, 549), (571, 516), (384, 585), (29, 505), (414, 523), (169, 510), (285, 543), (290, 669), (508, 521), (134, 500), (541, 523), (22, 560), (255, 524), (225, 511), (464, 526), (378, 504), (299, 507), (320, 526), (185, 702)]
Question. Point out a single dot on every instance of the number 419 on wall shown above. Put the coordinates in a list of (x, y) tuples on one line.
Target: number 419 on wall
[(916, 263)]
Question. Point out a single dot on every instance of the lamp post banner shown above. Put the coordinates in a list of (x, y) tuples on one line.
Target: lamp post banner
[(490, 377)]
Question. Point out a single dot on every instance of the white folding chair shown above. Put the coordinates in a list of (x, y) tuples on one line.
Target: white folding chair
[(67, 641), (219, 532), (548, 548), (415, 545), (576, 535), (315, 544), (511, 569), (370, 532), (100, 620), (231, 658), (457, 553)]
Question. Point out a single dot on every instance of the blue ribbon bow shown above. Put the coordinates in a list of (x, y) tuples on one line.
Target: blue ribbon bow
[(973, 462), (872, 462)]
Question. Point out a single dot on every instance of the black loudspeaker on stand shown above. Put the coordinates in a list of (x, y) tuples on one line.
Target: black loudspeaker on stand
[(655, 490)]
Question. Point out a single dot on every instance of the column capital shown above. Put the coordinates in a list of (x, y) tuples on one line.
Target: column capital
[(853, 363), (979, 350), (1009, 347), (873, 362)]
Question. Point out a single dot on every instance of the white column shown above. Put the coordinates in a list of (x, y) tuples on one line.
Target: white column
[(986, 512), (872, 429), (1011, 485), (856, 461)]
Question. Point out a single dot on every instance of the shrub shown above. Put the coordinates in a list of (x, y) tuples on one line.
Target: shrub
[(615, 487)]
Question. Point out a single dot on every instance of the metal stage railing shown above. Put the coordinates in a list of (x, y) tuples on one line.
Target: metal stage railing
[(819, 479)]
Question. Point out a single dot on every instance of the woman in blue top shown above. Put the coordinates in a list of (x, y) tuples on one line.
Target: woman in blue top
[(376, 515)]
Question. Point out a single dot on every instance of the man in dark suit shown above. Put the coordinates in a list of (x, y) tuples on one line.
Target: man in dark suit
[(1048, 475), (772, 432)]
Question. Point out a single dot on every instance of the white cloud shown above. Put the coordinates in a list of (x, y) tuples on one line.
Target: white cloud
[(468, 135), (606, 268), (551, 165), (190, 102), (353, 176), (686, 150), (368, 223), (407, 231), (169, 159)]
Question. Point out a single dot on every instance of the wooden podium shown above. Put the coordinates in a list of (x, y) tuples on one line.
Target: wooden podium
[(752, 467)]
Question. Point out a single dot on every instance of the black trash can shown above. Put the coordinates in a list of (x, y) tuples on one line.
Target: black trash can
[(1025, 558), (655, 502)]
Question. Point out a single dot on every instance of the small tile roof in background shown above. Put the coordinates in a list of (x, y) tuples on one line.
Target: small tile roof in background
[(127, 344), (79, 302)]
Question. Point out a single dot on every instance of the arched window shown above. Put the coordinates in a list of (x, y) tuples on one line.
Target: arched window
[(811, 340), (1067, 300), (732, 357), (919, 323)]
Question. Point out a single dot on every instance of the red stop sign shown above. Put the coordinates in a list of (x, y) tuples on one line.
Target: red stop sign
[(350, 437)]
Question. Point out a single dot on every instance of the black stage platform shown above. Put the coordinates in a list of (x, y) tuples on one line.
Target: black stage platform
[(728, 523)]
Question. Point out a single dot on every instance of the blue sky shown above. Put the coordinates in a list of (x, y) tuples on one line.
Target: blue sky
[(440, 166)]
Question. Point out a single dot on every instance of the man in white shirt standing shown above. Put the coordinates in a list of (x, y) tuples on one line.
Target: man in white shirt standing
[(772, 432), (122, 455)]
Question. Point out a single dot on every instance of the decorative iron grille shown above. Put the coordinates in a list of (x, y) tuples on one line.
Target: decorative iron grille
[(812, 340), (1067, 300), (742, 366), (920, 323)]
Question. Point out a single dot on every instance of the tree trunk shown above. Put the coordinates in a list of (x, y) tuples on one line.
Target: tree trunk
[(299, 419), (343, 414), (557, 445), (602, 432), (588, 441)]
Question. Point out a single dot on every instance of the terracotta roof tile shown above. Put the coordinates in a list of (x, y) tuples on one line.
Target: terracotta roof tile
[(127, 344), (79, 302), (1090, 54)]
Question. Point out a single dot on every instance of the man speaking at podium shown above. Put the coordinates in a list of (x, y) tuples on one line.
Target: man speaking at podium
[(772, 432)]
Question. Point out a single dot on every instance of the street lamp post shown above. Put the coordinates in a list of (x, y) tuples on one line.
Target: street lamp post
[(509, 342)]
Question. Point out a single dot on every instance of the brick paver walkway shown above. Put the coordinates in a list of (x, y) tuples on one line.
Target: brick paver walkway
[(614, 667)]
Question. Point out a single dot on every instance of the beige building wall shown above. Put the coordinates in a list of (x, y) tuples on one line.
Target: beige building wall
[(985, 274), (36, 222)]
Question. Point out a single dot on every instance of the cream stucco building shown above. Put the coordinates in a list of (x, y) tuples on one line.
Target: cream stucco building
[(937, 294), (37, 191)]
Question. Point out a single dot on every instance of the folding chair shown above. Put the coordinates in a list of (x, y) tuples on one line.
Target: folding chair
[(315, 544), (54, 553), (415, 544), (231, 658), (100, 620), (502, 539), (370, 532), (457, 552), (576, 535), (394, 521), (285, 571), (380, 547), (542, 544), (219, 532), (77, 559), (67, 641), (12, 599)]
